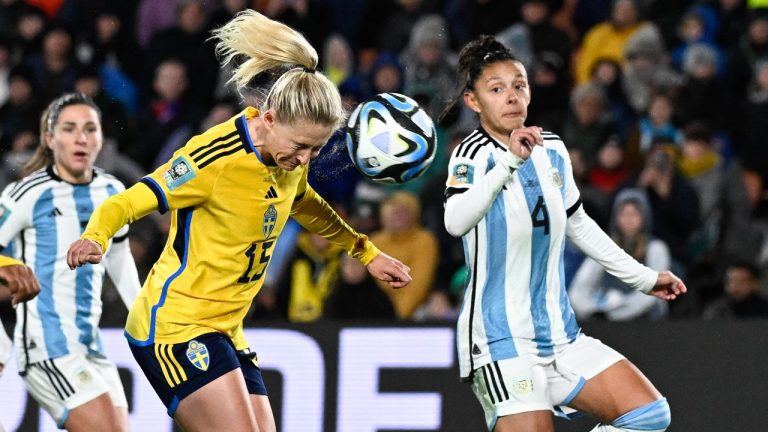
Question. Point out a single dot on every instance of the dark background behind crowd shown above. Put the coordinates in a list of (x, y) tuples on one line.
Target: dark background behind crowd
[(662, 102)]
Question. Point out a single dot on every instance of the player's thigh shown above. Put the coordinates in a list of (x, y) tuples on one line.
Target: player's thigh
[(262, 409), (618, 389), (97, 414), (222, 404), (257, 391), (64, 384), (514, 394)]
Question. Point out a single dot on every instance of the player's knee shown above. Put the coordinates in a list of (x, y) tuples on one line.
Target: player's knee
[(654, 416)]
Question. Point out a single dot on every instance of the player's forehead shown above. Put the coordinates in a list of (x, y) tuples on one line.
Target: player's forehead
[(502, 70)]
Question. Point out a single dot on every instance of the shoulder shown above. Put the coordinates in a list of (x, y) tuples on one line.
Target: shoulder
[(216, 144), (475, 146), (105, 177), (553, 141), (29, 186)]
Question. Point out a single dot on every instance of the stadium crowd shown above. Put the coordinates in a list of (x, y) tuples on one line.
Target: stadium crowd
[(664, 105)]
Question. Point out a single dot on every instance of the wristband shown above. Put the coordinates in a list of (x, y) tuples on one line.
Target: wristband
[(511, 161)]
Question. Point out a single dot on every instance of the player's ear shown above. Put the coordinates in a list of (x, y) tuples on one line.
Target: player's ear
[(470, 100), (269, 119)]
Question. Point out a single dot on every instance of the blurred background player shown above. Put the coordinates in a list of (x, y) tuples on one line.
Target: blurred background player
[(59, 349)]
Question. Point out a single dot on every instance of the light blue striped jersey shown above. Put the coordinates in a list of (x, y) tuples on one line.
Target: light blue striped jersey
[(42, 215), (515, 301)]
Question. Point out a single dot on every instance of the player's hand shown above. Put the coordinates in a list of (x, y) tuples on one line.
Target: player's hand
[(522, 141), (668, 286), (388, 269), (21, 281), (83, 251)]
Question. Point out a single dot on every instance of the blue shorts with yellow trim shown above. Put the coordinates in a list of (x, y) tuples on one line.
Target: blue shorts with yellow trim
[(178, 370)]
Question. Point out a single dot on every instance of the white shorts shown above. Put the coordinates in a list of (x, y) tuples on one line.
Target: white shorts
[(62, 384), (532, 383)]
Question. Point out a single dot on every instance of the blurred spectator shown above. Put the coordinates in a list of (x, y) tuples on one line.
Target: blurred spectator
[(534, 36), (545, 51), (657, 123), (169, 119), (109, 42), (646, 70), (733, 21), (153, 16), (723, 203), (742, 297), (751, 125), (403, 237), (596, 292), (609, 171), (589, 122), (114, 120), (674, 203), (608, 74), (703, 95), (751, 48), (430, 67), (698, 27), (356, 295), (189, 42), (55, 69), (338, 59), (5, 68), (30, 25), (22, 109), (607, 40), (308, 279)]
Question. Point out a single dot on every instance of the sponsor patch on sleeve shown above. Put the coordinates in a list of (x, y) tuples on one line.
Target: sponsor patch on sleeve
[(461, 174), (180, 172), (4, 213)]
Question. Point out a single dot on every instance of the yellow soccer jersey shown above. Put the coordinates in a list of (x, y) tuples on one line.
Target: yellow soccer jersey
[(227, 210), (8, 261)]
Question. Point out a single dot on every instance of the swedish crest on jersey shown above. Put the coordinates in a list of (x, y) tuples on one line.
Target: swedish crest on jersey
[(180, 172), (270, 219), (197, 354)]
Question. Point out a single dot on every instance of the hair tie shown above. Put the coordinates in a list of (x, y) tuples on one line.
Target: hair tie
[(308, 70)]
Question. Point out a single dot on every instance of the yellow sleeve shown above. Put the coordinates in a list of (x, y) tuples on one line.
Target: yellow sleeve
[(126, 207), (313, 213), (8, 261), (179, 183)]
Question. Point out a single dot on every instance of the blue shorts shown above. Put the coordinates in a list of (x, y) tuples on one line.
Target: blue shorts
[(178, 370)]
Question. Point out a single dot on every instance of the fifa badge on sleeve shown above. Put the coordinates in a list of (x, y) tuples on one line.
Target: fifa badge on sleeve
[(180, 172)]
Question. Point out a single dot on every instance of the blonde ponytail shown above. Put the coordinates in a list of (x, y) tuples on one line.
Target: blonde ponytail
[(259, 45)]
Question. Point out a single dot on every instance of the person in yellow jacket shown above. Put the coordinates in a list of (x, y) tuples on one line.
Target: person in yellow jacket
[(230, 192)]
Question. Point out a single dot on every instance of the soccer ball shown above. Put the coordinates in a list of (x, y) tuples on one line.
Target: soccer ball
[(390, 138)]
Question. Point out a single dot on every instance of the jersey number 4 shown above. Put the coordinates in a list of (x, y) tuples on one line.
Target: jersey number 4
[(251, 253), (540, 216)]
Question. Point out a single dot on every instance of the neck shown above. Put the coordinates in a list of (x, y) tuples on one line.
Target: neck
[(501, 136), (68, 177)]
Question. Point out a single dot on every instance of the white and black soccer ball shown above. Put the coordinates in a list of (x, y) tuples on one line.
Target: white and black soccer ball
[(390, 138)]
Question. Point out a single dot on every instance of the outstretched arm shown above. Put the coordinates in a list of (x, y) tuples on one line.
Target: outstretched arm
[(118, 210)]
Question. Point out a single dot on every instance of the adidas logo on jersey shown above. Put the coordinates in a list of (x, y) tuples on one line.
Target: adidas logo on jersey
[(55, 212), (271, 194), (476, 350)]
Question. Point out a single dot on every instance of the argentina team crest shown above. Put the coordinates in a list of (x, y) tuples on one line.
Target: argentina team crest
[(270, 219), (557, 180), (197, 353)]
